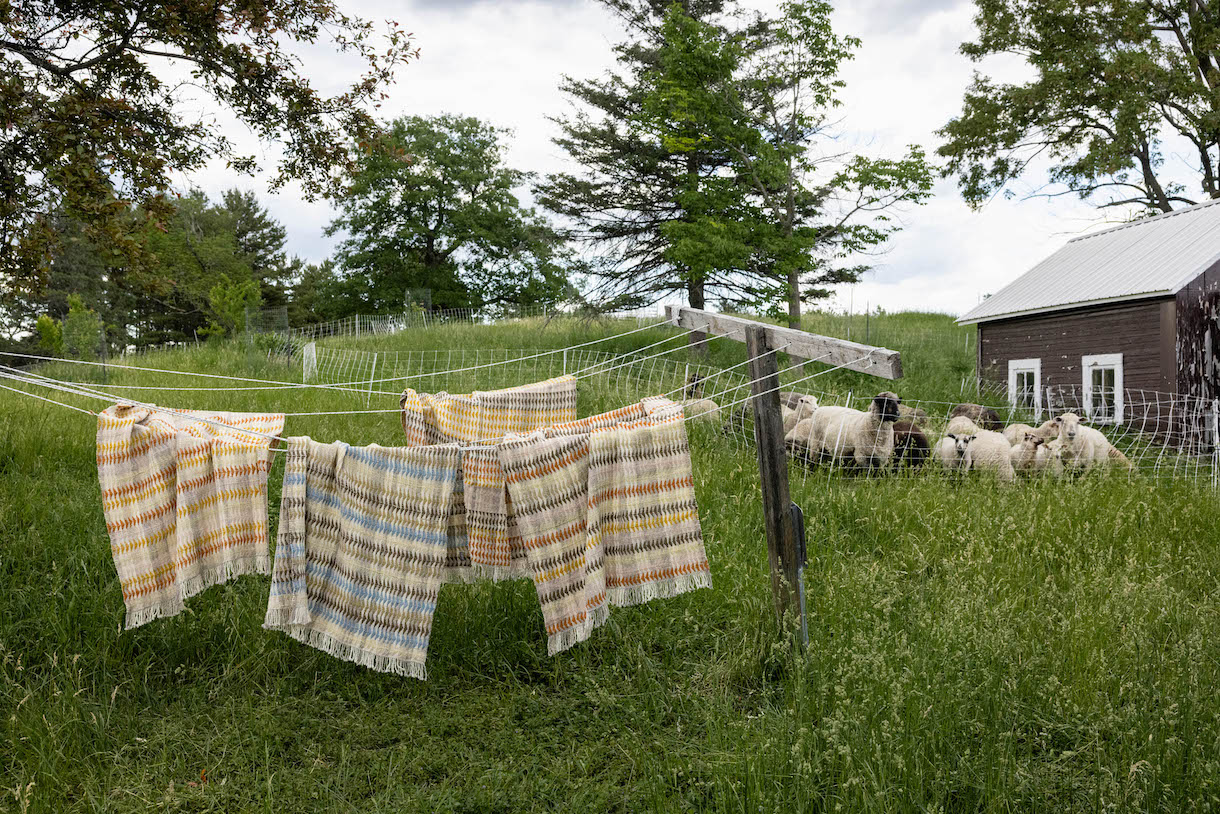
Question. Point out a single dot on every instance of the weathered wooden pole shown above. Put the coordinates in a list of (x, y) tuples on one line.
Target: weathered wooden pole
[(782, 546)]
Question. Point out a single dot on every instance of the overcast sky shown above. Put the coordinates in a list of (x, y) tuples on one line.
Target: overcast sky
[(502, 61)]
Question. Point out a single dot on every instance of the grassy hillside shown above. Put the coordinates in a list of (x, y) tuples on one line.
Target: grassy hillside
[(1046, 647)]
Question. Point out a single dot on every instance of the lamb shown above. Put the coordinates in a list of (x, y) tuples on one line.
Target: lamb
[(1085, 447), (985, 417), (910, 444), (805, 407), (1030, 456), (841, 432), (947, 449), (986, 451)]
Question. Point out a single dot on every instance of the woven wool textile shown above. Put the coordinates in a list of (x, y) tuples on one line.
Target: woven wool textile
[(184, 495), (360, 555), (607, 516), (481, 531)]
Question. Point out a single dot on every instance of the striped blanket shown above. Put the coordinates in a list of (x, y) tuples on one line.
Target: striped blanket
[(606, 511), (185, 501), (481, 532), (360, 554)]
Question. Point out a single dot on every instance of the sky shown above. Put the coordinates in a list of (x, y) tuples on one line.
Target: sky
[(503, 61)]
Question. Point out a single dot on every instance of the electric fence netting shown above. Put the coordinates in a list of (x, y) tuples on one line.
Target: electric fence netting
[(1161, 435)]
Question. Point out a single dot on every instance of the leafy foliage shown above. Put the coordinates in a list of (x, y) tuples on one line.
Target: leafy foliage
[(433, 206), (98, 109), (1118, 88)]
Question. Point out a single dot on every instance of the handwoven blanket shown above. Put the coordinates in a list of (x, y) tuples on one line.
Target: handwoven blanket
[(481, 530), (184, 495), (360, 554), (607, 516)]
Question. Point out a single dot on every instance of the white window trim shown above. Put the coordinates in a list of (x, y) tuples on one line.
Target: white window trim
[(1087, 365), (1016, 366)]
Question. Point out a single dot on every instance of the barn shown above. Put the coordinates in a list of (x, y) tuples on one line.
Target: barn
[(1112, 323)]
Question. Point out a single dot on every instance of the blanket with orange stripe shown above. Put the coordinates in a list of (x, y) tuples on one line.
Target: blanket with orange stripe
[(184, 495), (481, 530), (606, 511)]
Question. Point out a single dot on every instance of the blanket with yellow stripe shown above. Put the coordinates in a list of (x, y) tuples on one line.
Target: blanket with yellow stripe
[(482, 535), (184, 494), (606, 511)]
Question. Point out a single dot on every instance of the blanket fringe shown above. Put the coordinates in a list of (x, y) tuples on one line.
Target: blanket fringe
[(223, 573), (382, 664), (564, 639), (142, 616), (664, 589), (284, 618)]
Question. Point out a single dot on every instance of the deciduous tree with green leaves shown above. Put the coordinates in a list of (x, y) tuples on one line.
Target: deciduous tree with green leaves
[(434, 207), (100, 107), (1123, 106)]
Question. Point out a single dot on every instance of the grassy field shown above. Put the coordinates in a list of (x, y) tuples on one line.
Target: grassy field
[(1045, 647)]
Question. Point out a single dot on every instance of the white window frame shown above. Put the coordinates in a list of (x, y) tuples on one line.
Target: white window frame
[(1090, 363), (1016, 366)]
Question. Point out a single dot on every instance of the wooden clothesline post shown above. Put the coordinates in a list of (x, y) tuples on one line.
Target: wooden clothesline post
[(782, 518)]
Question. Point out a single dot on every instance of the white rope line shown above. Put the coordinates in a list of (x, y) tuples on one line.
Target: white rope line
[(338, 385), (586, 372), (51, 401)]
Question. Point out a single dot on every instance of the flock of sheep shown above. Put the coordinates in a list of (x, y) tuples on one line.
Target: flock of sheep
[(891, 434)]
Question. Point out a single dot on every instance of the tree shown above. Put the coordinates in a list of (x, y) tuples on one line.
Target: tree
[(631, 195), (1118, 87), (261, 239), (99, 104), (434, 208), (783, 210)]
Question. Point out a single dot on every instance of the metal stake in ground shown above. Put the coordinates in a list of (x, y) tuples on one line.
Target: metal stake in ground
[(781, 529)]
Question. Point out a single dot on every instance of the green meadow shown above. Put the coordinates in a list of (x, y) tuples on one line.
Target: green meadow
[(1048, 646)]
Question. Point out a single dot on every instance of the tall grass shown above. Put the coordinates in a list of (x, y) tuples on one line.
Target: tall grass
[(1048, 647)]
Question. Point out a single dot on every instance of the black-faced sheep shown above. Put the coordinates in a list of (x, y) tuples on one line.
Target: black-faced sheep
[(845, 433), (985, 417)]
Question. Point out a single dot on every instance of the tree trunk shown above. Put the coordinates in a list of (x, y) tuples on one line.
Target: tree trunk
[(794, 299), (694, 296)]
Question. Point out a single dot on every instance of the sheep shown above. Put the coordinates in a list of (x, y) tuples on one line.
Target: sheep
[(948, 454), (805, 407), (700, 409), (1054, 457), (913, 414), (910, 444), (985, 417), (986, 451), (841, 432), (961, 425), (1015, 433), (1085, 447), (1030, 456)]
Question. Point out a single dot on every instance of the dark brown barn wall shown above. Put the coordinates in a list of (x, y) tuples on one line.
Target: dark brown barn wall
[(1198, 306), (1141, 331)]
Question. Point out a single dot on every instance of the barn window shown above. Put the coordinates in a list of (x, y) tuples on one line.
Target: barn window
[(1103, 387), (1025, 385)]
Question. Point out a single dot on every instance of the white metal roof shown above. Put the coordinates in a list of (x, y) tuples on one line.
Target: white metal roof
[(1152, 257)]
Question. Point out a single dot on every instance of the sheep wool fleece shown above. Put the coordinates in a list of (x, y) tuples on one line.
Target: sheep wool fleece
[(184, 494), (607, 515), (482, 534), (360, 555)]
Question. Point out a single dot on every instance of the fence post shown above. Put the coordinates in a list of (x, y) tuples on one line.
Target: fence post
[(309, 362), (372, 375), (565, 361), (778, 517)]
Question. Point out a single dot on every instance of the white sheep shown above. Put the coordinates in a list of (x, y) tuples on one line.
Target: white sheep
[(947, 453), (1054, 457), (1030, 456), (1085, 447), (961, 425), (805, 407), (842, 432), (700, 409), (986, 451), (1015, 434)]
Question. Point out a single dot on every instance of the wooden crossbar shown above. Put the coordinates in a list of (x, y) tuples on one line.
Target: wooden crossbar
[(851, 355)]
